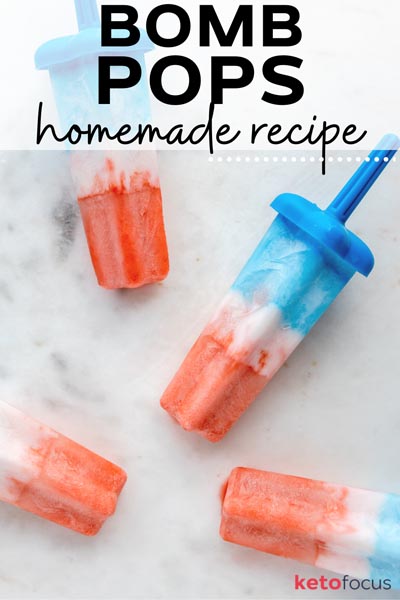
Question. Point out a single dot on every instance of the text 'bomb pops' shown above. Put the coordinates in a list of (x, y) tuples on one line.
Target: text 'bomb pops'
[(303, 262), (45, 473), (119, 191)]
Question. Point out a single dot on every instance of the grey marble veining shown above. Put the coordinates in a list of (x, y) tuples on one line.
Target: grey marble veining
[(93, 365)]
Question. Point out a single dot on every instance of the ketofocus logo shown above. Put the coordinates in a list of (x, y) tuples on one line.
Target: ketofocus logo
[(335, 583)]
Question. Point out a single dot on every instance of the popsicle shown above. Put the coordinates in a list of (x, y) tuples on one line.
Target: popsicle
[(118, 190), (47, 474), (303, 262), (343, 529)]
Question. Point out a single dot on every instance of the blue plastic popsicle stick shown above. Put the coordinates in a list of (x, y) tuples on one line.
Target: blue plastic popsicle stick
[(355, 189), (87, 14)]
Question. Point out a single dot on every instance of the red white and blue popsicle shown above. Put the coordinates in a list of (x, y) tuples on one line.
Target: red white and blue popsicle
[(118, 190), (303, 262), (45, 473), (343, 529)]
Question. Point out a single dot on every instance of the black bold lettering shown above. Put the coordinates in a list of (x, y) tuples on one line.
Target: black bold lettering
[(157, 73), (107, 83), (128, 24), (219, 82), (184, 30), (242, 19), (271, 75), (271, 25)]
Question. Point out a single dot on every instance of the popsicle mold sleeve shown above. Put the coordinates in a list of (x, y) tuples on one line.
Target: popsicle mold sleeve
[(302, 263), (72, 62), (87, 42), (347, 530), (118, 190), (45, 473)]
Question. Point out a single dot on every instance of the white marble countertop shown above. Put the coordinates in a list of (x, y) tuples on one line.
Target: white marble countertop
[(93, 365)]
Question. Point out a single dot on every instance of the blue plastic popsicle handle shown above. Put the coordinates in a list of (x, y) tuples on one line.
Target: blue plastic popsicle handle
[(87, 14), (355, 189)]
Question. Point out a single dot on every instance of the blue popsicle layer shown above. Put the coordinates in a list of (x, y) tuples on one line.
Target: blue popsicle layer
[(387, 546), (295, 273)]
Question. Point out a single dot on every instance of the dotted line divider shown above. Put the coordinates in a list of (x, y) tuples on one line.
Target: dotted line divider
[(294, 159)]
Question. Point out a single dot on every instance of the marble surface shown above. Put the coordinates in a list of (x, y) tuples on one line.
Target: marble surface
[(93, 365)]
